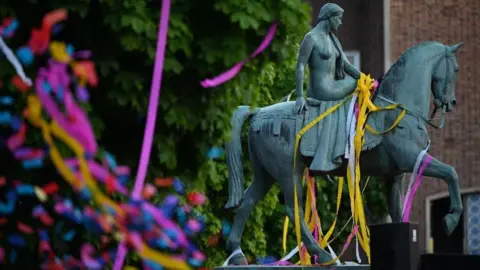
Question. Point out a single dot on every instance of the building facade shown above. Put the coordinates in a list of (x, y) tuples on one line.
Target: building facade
[(376, 32), (458, 144)]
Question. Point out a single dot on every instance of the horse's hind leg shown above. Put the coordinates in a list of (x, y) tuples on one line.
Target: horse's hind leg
[(312, 246), (261, 184), (446, 172)]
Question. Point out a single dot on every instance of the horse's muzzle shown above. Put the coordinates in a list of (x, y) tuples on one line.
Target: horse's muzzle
[(451, 105)]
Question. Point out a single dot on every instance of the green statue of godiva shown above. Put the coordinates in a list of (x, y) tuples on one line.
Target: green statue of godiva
[(424, 70)]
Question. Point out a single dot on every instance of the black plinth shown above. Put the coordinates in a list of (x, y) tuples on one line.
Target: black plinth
[(449, 261), (296, 267), (394, 246)]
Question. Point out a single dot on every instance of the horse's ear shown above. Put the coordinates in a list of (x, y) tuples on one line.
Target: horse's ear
[(455, 47)]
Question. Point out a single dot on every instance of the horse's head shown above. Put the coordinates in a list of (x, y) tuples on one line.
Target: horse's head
[(444, 79)]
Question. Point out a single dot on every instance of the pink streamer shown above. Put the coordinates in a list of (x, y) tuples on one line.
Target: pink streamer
[(16, 140), (280, 263), (99, 172), (166, 223), (418, 180), (232, 72), (303, 251), (80, 128), (153, 102), (136, 241), (151, 118), (85, 253), (350, 237)]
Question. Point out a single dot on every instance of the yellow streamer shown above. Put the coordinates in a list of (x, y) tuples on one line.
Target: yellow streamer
[(315, 221), (308, 202), (324, 241), (285, 233), (364, 84), (59, 52), (307, 218), (310, 207), (312, 221), (297, 141), (351, 217), (35, 117)]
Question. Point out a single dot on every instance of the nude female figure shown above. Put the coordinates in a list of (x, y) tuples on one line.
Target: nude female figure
[(321, 50), (332, 78)]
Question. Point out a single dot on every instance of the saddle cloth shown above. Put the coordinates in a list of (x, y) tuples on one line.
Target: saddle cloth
[(327, 140)]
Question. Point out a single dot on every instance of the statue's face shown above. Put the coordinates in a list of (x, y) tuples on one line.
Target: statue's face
[(336, 21)]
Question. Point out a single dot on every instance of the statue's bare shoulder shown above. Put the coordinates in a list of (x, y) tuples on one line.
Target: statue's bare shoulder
[(319, 43)]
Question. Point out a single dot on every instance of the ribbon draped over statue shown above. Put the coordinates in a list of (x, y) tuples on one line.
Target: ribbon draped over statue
[(365, 106)]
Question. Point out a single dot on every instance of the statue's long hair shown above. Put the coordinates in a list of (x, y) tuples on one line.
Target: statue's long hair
[(328, 11)]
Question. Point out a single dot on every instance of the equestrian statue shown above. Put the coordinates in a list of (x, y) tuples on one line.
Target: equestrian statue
[(424, 69)]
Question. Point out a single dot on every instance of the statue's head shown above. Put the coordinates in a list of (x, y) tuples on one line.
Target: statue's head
[(333, 13)]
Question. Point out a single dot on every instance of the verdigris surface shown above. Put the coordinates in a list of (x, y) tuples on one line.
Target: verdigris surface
[(426, 68)]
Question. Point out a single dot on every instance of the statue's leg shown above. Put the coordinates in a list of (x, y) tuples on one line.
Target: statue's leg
[(394, 185), (312, 246), (261, 184), (446, 172)]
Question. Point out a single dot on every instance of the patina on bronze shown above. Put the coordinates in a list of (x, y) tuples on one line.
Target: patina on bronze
[(422, 70)]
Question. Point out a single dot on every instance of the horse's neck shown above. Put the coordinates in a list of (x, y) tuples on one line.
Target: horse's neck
[(412, 90)]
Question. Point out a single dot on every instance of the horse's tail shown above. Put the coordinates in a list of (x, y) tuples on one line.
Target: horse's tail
[(234, 157)]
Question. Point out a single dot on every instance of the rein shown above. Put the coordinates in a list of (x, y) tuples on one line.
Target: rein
[(419, 115), (441, 100)]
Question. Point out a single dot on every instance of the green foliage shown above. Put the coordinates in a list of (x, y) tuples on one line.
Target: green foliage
[(204, 38)]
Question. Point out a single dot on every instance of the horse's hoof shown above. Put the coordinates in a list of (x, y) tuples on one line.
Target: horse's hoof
[(323, 258), (238, 259), (449, 224)]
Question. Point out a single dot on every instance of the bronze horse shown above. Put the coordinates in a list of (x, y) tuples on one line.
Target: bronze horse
[(426, 68)]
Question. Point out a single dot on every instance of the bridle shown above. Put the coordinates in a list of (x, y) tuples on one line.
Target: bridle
[(439, 99)]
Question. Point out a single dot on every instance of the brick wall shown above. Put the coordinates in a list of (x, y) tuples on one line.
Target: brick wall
[(413, 21), (447, 21)]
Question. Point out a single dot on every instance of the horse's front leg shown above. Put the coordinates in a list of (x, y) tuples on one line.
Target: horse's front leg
[(446, 172)]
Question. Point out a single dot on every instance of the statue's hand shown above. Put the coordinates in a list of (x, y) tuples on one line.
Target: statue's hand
[(299, 105)]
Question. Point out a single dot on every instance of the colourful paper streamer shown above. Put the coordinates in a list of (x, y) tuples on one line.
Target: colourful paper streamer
[(232, 72), (408, 207), (151, 117)]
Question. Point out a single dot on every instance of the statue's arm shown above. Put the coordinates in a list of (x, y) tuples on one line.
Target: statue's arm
[(351, 69), (306, 48)]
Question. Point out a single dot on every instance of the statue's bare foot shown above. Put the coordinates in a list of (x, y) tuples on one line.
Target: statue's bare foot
[(238, 259)]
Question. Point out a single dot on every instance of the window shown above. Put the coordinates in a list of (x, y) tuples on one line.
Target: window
[(354, 58), (473, 223)]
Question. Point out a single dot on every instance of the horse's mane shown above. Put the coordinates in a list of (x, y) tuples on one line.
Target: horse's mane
[(395, 74)]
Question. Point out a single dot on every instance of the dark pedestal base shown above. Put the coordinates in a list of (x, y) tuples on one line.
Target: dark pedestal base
[(296, 267), (394, 246), (450, 261)]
